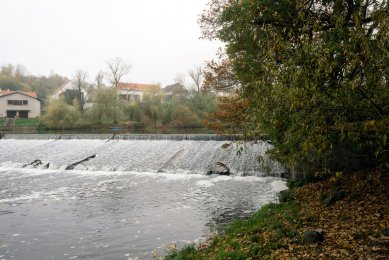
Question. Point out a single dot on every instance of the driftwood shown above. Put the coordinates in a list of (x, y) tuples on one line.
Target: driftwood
[(34, 163), (225, 170), (112, 138), (71, 166)]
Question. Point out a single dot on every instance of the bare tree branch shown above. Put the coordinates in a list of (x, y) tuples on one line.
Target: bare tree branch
[(181, 79), (79, 81), (117, 68), (196, 74), (99, 79)]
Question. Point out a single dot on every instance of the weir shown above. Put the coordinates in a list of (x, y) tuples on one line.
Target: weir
[(193, 154), (114, 197), (175, 137)]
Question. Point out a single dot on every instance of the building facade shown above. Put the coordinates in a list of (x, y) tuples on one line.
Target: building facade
[(173, 91), (135, 92), (68, 85), (19, 104), (69, 88)]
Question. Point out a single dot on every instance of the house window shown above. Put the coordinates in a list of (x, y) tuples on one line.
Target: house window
[(17, 102)]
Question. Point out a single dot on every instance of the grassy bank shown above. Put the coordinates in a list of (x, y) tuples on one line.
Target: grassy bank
[(351, 224), (23, 122)]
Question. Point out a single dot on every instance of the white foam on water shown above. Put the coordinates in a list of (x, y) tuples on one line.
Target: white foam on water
[(213, 180), (10, 165), (169, 156), (279, 185), (252, 178), (159, 184), (204, 183), (32, 196), (154, 175), (222, 178)]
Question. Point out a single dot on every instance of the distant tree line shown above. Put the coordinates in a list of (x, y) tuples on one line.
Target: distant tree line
[(16, 77), (99, 103), (189, 109)]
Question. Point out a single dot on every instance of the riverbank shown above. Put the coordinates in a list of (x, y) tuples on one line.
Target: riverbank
[(27, 127), (348, 218)]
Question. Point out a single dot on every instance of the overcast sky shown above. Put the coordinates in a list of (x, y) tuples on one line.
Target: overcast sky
[(157, 38)]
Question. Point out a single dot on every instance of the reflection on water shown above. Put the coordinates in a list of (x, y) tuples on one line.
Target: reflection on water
[(54, 214)]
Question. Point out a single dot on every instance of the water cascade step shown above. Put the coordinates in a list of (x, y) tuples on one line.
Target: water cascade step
[(124, 196), (194, 154), (109, 137)]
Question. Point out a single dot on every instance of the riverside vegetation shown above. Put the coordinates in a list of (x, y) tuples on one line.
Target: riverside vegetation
[(313, 76), (187, 110), (183, 111)]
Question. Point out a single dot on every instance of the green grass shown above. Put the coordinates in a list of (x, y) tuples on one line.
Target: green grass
[(187, 253), (253, 238), (23, 122)]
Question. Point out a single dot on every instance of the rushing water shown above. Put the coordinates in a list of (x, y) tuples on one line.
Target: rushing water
[(134, 197)]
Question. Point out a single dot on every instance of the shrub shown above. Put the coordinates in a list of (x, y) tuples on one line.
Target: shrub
[(60, 115)]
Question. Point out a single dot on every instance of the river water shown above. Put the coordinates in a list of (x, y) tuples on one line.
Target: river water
[(134, 197)]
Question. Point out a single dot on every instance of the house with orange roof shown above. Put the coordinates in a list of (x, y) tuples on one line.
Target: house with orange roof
[(136, 91), (19, 104)]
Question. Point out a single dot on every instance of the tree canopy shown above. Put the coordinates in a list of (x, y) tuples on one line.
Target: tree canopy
[(16, 78), (314, 75)]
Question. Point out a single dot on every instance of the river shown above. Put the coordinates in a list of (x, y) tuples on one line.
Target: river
[(132, 199)]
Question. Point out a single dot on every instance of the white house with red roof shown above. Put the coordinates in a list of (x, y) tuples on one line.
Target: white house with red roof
[(136, 91), (19, 104)]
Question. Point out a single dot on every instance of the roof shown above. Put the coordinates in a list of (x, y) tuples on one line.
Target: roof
[(138, 87), (177, 87), (10, 92), (61, 87)]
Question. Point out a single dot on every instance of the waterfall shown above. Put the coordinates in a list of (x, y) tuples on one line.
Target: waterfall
[(194, 154), (175, 137), (109, 197)]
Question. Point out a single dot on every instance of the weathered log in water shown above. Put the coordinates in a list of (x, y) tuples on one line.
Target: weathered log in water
[(112, 138), (71, 166), (35, 163), (222, 169)]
